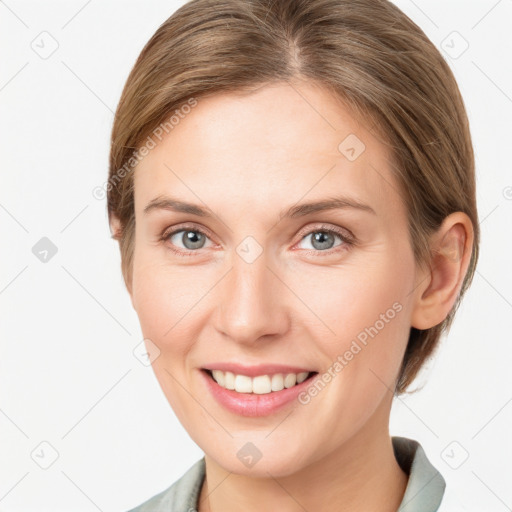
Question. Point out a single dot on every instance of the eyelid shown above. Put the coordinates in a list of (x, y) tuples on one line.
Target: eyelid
[(186, 227), (342, 232)]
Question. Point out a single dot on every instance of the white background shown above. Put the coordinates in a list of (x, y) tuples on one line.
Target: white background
[(68, 375)]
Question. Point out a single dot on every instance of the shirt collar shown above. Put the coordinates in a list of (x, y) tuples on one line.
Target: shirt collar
[(425, 487)]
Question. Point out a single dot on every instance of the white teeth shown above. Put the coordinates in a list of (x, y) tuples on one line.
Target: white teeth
[(290, 380), (219, 377), (277, 382), (301, 377), (229, 380), (261, 385), (243, 384)]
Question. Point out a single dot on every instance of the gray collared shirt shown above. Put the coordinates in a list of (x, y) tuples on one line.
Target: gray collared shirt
[(424, 491)]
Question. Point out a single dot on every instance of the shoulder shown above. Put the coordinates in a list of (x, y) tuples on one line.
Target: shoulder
[(181, 496)]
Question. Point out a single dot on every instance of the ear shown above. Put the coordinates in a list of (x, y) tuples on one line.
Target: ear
[(116, 231), (437, 288), (115, 227)]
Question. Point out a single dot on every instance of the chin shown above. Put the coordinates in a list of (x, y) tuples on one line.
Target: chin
[(271, 459)]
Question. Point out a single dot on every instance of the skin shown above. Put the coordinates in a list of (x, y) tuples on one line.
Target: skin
[(297, 304)]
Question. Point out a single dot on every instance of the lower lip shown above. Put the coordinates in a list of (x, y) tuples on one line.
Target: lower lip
[(253, 404)]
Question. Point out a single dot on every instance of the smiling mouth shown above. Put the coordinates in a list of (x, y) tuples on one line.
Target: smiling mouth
[(260, 385)]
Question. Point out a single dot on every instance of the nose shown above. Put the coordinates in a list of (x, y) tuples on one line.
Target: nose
[(252, 302)]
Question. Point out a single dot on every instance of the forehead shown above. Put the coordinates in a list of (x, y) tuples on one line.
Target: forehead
[(272, 147)]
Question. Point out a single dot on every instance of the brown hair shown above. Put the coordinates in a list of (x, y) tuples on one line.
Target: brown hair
[(367, 53)]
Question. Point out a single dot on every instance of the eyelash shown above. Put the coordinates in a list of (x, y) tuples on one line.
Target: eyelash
[(348, 240)]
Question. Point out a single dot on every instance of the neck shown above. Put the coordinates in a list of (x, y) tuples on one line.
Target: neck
[(362, 474)]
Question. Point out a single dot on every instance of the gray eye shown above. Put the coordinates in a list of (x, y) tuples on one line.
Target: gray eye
[(322, 240), (190, 239)]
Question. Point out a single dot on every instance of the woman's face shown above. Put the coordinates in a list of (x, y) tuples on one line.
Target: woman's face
[(251, 284)]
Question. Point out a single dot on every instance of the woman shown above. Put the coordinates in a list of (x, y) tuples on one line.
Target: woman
[(292, 188)]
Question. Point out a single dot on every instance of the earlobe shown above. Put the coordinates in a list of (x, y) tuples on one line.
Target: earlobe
[(115, 227), (437, 292)]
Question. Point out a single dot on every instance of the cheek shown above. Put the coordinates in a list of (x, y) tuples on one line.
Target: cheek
[(167, 304), (164, 298), (361, 313), (362, 332)]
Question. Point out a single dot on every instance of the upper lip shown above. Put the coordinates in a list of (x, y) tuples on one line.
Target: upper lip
[(254, 371)]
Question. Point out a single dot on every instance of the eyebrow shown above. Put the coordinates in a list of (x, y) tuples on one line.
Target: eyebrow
[(295, 211)]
